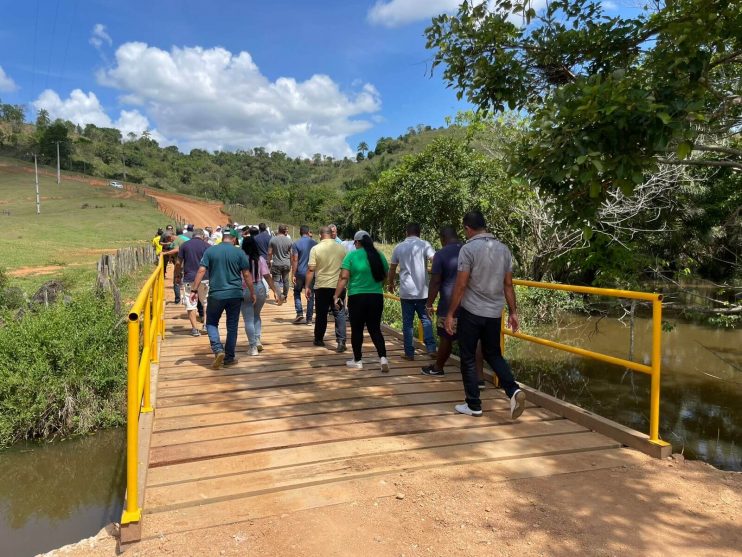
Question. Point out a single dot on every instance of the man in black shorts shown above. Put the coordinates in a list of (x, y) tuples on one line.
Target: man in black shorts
[(442, 280)]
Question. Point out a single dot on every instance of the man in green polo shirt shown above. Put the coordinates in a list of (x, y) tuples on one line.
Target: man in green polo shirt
[(227, 267)]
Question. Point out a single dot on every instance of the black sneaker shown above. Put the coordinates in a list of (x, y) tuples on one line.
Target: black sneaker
[(482, 385), (299, 320), (430, 370), (319, 342), (341, 348), (232, 362)]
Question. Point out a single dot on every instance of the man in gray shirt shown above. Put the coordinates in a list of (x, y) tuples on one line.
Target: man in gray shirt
[(279, 258), (484, 284)]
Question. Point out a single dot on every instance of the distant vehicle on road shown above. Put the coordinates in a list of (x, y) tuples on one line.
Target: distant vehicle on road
[(117, 185)]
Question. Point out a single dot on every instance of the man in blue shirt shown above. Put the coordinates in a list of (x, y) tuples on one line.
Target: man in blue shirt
[(263, 239), (189, 259), (227, 267), (299, 266)]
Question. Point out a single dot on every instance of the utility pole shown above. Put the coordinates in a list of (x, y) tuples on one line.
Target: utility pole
[(59, 174), (38, 199)]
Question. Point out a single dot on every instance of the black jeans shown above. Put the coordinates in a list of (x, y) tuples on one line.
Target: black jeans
[(322, 305), (471, 329), (365, 311)]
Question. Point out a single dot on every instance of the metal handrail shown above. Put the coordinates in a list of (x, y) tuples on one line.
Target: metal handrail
[(149, 309), (653, 369)]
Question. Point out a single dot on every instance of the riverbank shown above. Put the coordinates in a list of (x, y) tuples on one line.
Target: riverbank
[(651, 508)]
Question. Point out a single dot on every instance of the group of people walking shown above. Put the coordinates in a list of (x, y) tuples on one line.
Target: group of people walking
[(472, 282)]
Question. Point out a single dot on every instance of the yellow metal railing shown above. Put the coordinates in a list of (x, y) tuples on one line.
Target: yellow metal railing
[(420, 332), (652, 370), (146, 326)]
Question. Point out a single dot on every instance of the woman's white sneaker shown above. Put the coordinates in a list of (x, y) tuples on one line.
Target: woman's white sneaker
[(517, 404), (384, 365), (253, 351), (464, 409), (353, 364)]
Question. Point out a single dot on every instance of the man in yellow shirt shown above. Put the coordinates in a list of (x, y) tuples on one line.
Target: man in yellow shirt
[(156, 241), (325, 260)]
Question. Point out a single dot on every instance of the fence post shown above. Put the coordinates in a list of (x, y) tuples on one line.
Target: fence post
[(132, 513), (654, 405)]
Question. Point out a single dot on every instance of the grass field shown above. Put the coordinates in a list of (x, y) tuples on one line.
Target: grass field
[(77, 223)]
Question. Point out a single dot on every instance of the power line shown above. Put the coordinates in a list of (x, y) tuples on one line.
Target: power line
[(51, 46), (35, 42), (69, 34)]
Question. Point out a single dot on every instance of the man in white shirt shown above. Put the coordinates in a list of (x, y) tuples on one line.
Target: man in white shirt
[(412, 256)]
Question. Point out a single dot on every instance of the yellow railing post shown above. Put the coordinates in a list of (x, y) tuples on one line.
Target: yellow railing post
[(147, 330), (132, 512), (654, 404)]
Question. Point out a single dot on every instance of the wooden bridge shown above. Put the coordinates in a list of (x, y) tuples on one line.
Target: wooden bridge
[(293, 429)]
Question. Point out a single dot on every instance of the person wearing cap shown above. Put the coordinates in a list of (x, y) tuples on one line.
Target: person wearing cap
[(412, 256), (363, 272), (228, 270), (323, 270), (484, 285)]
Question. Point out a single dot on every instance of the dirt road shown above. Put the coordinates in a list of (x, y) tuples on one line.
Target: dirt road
[(200, 213), (652, 509)]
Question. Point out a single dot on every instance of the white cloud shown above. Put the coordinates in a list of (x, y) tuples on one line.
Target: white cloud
[(7, 85), (214, 99), (82, 109), (609, 5), (394, 13), (100, 36)]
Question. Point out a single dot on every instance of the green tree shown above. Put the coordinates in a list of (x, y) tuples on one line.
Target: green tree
[(611, 96), (56, 132)]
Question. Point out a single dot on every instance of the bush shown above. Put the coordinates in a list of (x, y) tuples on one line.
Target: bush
[(63, 370), (537, 306)]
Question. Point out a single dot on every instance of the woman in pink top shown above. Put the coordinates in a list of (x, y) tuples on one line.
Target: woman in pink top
[(251, 311)]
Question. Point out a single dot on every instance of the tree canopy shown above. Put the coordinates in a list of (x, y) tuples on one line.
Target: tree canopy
[(611, 97)]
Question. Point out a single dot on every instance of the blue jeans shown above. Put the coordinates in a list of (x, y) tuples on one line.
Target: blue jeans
[(251, 313), (300, 283), (409, 309), (214, 310)]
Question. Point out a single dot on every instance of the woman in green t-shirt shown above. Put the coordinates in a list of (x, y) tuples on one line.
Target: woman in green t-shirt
[(363, 272)]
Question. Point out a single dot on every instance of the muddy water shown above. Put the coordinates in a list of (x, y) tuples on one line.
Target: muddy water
[(58, 493), (701, 394)]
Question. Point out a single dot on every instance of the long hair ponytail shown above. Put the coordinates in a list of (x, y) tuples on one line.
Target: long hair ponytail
[(374, 258), (250, 247)]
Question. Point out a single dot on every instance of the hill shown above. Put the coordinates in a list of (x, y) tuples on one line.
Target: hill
[(79, 220), (258, 184)]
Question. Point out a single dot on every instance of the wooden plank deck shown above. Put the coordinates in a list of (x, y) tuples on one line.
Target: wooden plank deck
[(294, 429)]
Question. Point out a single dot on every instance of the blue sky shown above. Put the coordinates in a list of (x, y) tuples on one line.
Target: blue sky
[(297, 76)]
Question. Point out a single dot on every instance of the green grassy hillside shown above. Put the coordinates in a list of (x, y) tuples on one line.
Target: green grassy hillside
[(77, 223)]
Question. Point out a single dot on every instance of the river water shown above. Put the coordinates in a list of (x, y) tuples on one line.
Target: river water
[(58, 493), (701, 388), (54, 494)]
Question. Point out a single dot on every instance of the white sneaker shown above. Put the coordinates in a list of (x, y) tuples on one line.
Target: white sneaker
[(464, 409), (517, 404), (384, 365), (352, 364), (253, 351)]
